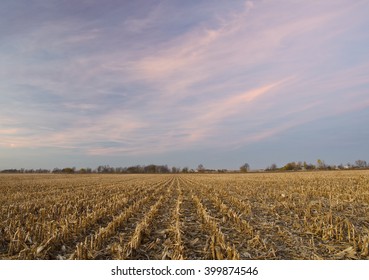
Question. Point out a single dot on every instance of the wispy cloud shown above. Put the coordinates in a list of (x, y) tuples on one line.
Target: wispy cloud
[(130, 80)]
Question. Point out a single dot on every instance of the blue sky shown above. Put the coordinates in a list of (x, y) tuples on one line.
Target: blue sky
[(84, 83)]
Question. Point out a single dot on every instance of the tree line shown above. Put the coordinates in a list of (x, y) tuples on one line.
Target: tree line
[(162, 169), (320, 165), (136, 169)]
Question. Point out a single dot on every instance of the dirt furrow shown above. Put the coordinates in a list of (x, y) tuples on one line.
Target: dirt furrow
[(100, 244), (128, 237), (195, 239), (157, 242)]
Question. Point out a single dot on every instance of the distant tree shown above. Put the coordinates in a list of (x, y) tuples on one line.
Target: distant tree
[(360, 163), (150, 168), (105, 169), (297, 166), (272, 167), (123, 170), (222, 170), (185, 169), (135, 169), (176, 169), (290, 166), (68, 170), (310, 166), (321, 164), (245, 167), (10, 171), (200, 168), (164, 169), (131, 169), (118, 169)]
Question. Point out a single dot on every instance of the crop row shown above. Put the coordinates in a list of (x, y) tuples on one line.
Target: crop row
[(317, 215)]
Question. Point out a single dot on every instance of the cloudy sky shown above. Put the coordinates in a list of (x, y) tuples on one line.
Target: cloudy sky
[(91, 82)]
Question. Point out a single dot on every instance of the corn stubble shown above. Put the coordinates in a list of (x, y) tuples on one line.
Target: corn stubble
[(311, 215)]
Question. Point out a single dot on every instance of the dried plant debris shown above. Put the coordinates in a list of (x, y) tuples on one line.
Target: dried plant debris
[(311, 215)]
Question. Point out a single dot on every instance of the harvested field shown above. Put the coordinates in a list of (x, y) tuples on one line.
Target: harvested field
[(297, 215)]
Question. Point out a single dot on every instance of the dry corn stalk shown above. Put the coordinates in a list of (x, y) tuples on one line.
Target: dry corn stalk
[(143, 226), (218, 246)]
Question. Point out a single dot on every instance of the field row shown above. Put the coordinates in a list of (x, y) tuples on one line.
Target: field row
[(320, 215)]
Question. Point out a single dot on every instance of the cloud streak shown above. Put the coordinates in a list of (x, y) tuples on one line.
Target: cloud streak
[(130, 80)]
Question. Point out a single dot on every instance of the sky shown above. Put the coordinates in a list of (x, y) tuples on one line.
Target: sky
[(219, 83)]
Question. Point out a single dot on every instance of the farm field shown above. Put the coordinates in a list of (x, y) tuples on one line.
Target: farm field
[(261, 216)]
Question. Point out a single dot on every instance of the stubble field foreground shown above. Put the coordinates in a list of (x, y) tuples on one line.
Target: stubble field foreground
[(311, 215)]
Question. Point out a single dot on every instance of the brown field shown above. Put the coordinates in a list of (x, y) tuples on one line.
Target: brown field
[(311, 215)]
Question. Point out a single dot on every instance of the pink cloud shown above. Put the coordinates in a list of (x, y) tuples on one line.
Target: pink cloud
[(8, 131)]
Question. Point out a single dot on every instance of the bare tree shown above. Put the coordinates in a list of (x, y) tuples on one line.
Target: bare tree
[(200, 168), (245, 167), (320, 164), (360, 163)]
